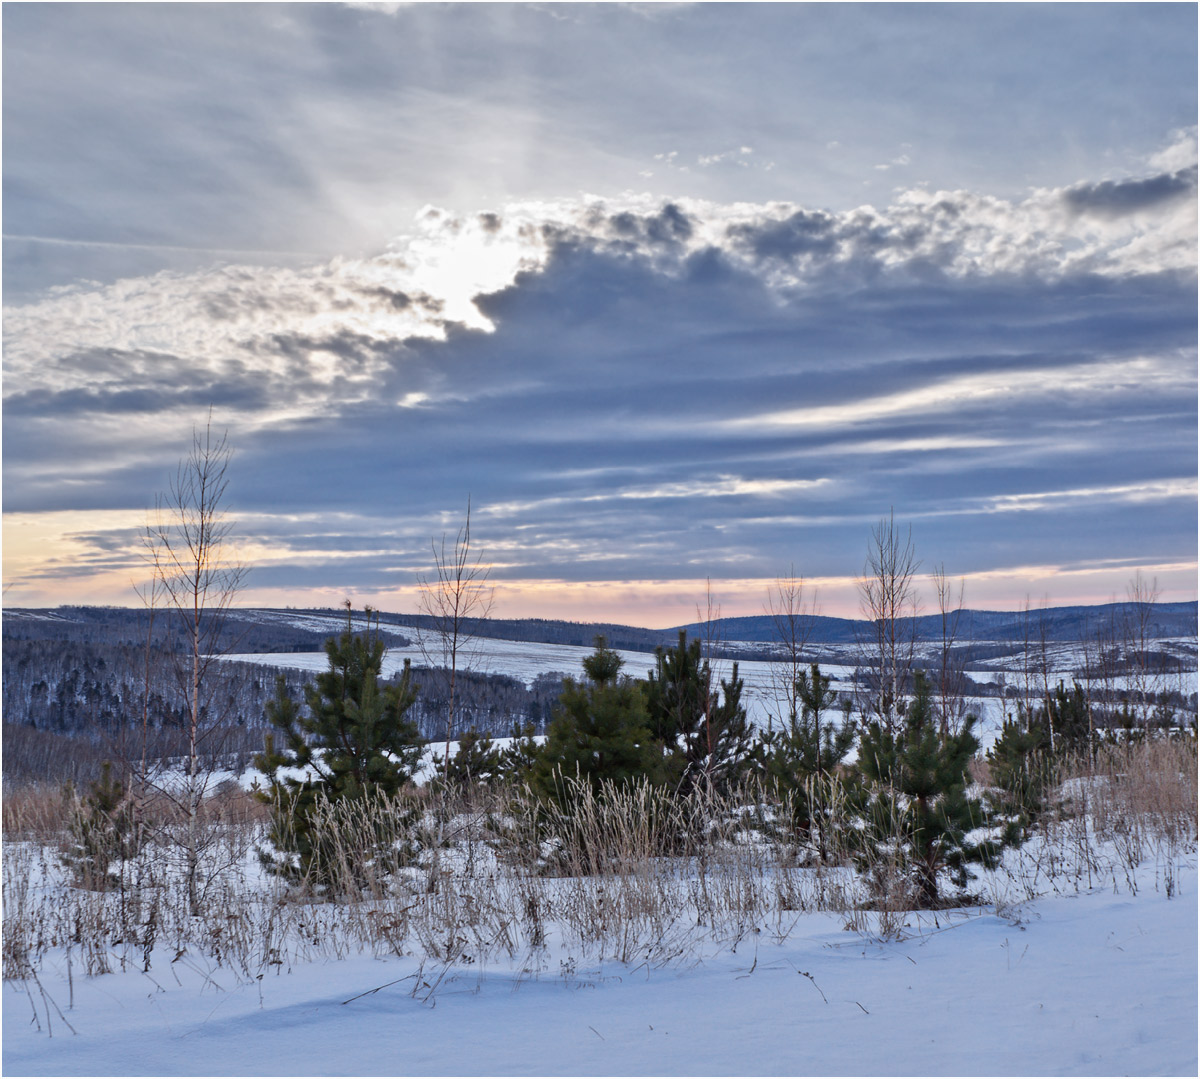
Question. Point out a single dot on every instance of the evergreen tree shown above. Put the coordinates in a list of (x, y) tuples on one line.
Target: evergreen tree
[(519, 758), (477, 762), (1066, 715), (917, 803), (102, 832), (600, 730), (802, 757), (355, 740), (1022, 766), (705, 733)]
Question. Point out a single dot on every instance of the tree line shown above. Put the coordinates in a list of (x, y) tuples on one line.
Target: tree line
[(351, 735)]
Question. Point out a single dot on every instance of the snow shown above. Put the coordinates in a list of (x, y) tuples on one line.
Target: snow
[(1101, 981), (1096, 983), (526, 660)]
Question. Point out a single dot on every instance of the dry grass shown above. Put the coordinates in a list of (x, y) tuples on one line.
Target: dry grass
[(629, 873), (36, 813), (1133, 804)]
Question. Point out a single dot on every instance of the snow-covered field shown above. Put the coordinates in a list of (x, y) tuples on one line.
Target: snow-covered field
[(1097, 983), (526, 660)]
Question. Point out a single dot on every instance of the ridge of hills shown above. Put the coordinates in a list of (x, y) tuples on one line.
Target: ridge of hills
[(265, 629)]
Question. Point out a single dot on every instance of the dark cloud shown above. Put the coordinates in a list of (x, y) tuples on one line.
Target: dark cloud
[(647, 405), (597, 411), (1117, 198), (66, 403), (160, 393), (666, 230), (804, 233), (392, 299)]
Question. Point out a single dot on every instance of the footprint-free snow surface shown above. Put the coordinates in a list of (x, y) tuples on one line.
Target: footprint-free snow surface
[(1089, 984)]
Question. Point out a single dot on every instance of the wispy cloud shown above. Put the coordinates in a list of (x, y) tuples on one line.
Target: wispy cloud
[(998, 389), (729, 366)]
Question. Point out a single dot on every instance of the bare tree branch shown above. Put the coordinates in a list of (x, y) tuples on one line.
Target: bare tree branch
[(888, 599), (792, 612), (455, 598), (197, 581)]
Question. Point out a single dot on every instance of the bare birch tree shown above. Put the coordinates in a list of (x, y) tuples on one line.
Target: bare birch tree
[(950, 677), (198, 581), (454, 598), (792, 611), (1144, 672), (889, 603)]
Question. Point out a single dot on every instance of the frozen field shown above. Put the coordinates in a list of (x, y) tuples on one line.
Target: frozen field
[(526, 660)]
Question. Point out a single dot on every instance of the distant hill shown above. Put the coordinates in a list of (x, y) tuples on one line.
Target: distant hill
[(1062, 624), (293, 629)]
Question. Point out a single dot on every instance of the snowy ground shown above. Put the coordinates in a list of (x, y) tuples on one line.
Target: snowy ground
[(762, 695), (525, 661), (1090, 984)]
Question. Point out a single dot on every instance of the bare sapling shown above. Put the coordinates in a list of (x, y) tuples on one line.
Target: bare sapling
[(792, 610), (890, 607), (199, 580), (950, 675), (455, 598)]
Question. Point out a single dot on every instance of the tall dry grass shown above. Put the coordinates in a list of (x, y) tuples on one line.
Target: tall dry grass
[(492, 874), (1113, 812)]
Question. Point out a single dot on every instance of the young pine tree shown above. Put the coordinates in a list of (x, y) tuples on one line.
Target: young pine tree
[(521, 756), (477, 762), (803, 756), (102, 832), (600, 731), (1067, 716), (916, 801), (1022, 767), (705, 733), (355, 740)]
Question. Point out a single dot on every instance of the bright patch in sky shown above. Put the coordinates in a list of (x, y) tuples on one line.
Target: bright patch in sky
[(671, 294)]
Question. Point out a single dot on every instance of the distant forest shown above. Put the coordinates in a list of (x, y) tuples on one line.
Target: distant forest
[(79, 681)]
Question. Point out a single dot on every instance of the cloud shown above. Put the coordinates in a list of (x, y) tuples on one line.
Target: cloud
[(739, 157), (1003, 387), (379, 7), (1116, 198), (1179, 153), (665, 388)]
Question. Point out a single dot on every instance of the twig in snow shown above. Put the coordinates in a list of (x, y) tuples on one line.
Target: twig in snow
[(368, 992), (49, 1003), (596, 1032), (805, 974), (865, 1012), (35, 1021)]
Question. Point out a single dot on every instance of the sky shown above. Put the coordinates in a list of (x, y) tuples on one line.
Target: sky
[(677, 296)]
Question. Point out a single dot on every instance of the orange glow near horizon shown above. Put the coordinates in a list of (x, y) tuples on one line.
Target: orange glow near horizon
[(661, 604), (55, 566), (656, 604)]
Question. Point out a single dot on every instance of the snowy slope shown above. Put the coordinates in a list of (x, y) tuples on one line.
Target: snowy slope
[(526, 660), (1089, 984)]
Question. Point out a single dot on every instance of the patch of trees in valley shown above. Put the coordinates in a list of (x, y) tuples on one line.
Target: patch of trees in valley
[(70, 704)]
